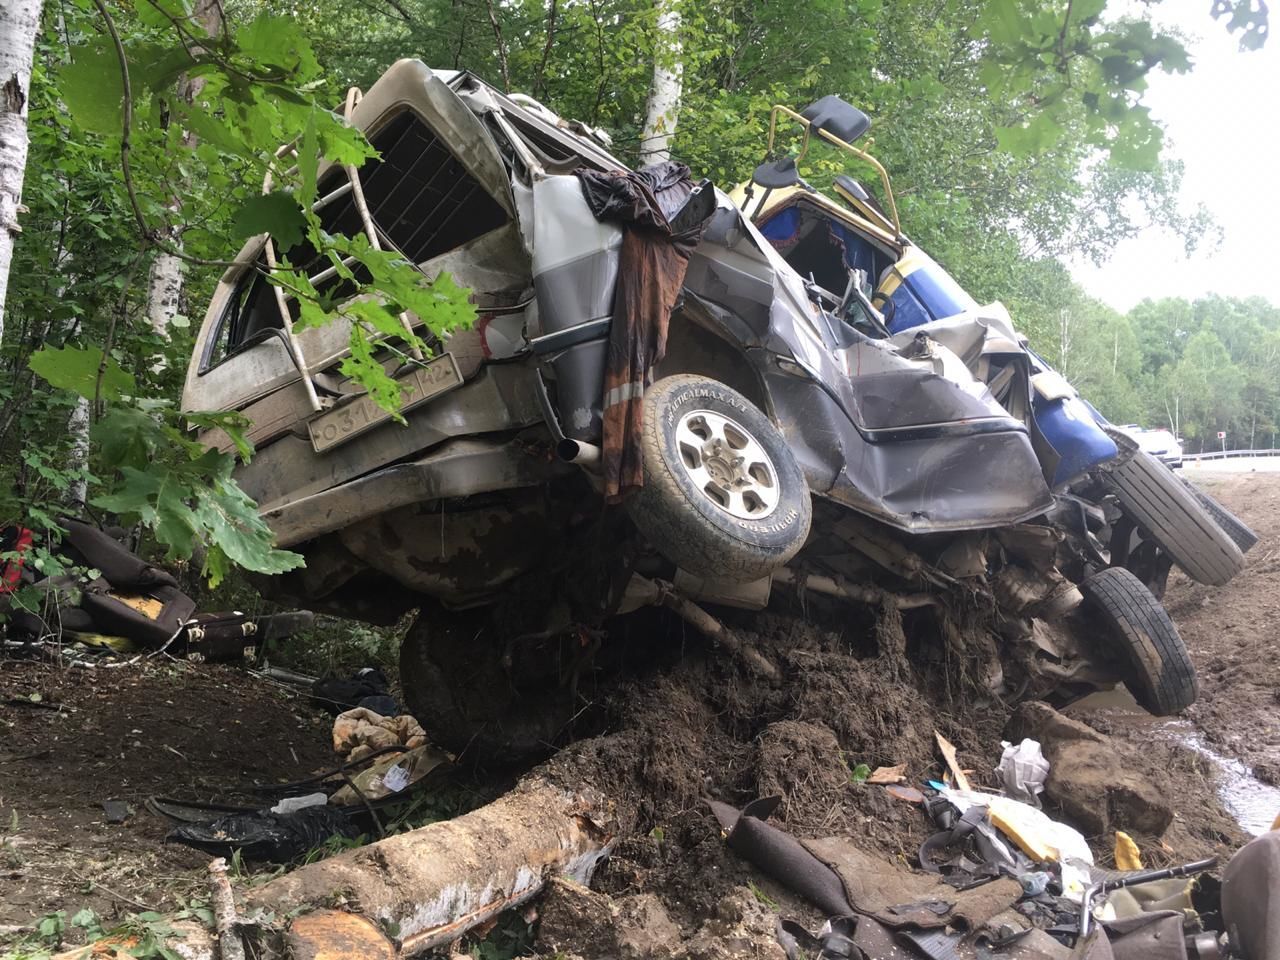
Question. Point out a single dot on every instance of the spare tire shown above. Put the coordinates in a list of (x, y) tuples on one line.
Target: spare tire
[(1156, 666), (1233, 526), (723, 496), (1158, 502)]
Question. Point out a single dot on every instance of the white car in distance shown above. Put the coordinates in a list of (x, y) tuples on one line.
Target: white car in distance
[(1161, 444)]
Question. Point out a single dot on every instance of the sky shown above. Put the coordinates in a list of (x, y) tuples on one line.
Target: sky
[(1222, 120)]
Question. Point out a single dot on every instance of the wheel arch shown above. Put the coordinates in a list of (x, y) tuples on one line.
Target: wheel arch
[(695, 347)]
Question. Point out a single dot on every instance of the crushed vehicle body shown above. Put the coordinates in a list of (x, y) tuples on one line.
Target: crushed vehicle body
[(672, 395)]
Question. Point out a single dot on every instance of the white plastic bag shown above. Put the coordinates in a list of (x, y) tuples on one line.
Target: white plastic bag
[(1023, 770)]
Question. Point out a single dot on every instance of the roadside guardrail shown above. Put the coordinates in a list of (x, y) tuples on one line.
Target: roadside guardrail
[(1230, 454)]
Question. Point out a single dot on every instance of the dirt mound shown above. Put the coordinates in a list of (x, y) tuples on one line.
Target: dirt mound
[(1232, 634), (711, 726)]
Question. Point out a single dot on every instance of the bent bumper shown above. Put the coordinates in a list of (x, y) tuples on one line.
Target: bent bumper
[(458, 468)]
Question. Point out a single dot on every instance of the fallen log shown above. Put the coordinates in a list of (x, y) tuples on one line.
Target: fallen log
[(408, 893)]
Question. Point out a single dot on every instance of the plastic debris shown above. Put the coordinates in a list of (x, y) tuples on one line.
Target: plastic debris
[(1023, 771), (1034, 884), (390, 774), (894, 774), (1040, 837), (117, 811), (290, 804), (276, 837), (1127, 855), (900, 792)]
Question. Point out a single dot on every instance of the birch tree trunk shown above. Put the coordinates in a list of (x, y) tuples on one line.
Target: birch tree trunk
[(663, 107), (19, 24), (164, 282)]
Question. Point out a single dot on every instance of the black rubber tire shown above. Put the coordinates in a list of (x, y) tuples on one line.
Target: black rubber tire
[(1159, 503), (456, 685), (1157, 668), (680, 520), (1233, 526)]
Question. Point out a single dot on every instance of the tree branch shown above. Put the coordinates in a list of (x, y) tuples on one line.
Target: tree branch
[(540, 84), (126, 118), (502, 47)]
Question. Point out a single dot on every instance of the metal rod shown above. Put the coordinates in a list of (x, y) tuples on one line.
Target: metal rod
[(362, 206), (841, 144), (294, 346)]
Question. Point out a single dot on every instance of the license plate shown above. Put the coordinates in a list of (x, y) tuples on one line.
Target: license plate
[(438, 375)]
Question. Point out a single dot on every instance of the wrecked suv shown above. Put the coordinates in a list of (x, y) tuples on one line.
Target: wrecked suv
[(680, 397)]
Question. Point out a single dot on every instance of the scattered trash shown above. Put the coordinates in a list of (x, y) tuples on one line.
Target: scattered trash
[(909, 794), (290, 804), (130, 606), (894, 774), (841, 879), (1251, 897), (391, 774), (949, 754), (1035, 834), (1034, 884), (360, 732), (117, 811), (1127, 854), (1117, 883), (367, 687), (1023, 770), (263, 835)]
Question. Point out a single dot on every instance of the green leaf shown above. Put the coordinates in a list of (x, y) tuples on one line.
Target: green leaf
[(162, 13), (70, 368), (860, 773), (364, 368), (276, 213), (276, 41), (92, 88), (126, 436)]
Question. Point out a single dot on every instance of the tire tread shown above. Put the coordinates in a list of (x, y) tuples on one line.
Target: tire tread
[(1163, 678), (1160, 503)]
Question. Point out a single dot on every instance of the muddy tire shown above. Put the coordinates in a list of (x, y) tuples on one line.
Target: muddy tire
[(1156, 666), (1158, 502), (458, 687), (723, 496), (1233, 526)]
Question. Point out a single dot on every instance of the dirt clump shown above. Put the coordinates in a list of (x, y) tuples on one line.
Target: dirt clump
[(580, 922), (1097, 784)]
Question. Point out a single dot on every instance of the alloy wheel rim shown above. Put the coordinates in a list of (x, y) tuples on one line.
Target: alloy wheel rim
[(727, 464)]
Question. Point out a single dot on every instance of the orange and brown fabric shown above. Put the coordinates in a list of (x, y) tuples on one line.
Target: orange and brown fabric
[(651, 273)]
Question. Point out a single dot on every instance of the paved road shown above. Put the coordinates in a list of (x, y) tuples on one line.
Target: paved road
[(1233, 465)]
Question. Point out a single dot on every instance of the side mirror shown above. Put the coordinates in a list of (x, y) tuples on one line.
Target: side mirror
[(777, 174), (852, 188), (840, 119)]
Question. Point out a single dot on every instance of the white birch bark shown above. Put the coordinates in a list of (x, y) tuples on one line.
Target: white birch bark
[(164, 282), (78, 431), (19, 24), (663, 107)]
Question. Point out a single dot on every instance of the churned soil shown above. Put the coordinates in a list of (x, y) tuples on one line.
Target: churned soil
[(1233, 632), (72, 738)]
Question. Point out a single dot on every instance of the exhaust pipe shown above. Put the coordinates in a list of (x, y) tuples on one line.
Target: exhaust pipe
[(576, 451)]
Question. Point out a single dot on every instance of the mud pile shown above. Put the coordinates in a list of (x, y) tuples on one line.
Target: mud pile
[(710, 725)]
